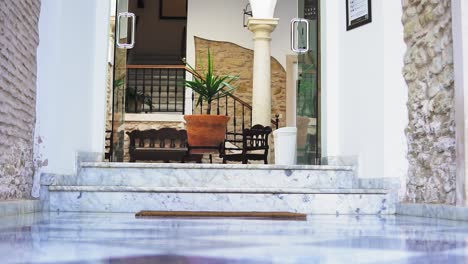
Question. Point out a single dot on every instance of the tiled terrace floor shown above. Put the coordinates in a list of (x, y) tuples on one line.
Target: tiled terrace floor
[(120, 238)]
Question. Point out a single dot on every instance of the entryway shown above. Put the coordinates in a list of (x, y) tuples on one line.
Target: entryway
[(154, 38)]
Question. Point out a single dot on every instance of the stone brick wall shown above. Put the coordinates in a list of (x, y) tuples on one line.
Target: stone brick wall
[(429, 74), (110, 79), (19, 39), (232, 59)]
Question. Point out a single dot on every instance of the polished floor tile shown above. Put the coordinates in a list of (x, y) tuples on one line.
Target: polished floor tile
[(120, 238)]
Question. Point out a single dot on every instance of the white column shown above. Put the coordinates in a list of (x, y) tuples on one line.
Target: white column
[(460, 54), (261, 95), (291, 80)]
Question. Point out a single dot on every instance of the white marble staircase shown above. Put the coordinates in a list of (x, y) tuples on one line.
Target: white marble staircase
[(131, 187)]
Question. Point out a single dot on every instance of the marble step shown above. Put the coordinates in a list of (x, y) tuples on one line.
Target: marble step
[(211, 176), (77, 188), (302, 200)]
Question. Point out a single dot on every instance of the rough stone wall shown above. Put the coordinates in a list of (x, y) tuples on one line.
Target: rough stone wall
[(429, 74), (19, 38), (110, 79)]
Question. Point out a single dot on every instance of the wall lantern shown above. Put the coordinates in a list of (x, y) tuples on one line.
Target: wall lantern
[(247, 12)]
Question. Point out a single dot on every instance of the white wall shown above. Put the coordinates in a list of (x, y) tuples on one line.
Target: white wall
[(222, 20), (395, 94), (364, 94), (72, 59), (330, 50), (460, 54), (361, 93)]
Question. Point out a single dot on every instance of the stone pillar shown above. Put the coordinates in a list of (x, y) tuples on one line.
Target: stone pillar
[(261, 91)]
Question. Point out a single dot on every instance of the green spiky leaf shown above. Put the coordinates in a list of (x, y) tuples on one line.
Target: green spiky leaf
[(209, 86)]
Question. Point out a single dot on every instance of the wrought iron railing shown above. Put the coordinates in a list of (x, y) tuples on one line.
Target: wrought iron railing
[(155, 88), (108, 145)]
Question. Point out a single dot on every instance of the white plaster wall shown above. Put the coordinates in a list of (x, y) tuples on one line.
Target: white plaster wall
[(222, 20), (395, 94), (463, 72), (72, 59), (330, 48), (355, 80), (363, 92), (460, 50)]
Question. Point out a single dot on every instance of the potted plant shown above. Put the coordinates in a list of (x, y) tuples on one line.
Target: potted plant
[(207, 129), (134, 100)]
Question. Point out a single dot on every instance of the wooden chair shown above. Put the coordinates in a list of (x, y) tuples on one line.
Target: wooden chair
[(254, 145)]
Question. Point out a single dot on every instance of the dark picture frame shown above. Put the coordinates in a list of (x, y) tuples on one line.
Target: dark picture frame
[(170, 9), (356, 15)]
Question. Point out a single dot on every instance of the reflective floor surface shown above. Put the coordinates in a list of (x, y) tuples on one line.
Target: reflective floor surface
[(120, 238)]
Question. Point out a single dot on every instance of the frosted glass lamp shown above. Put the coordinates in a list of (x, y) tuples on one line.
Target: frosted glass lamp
[(263, 8)]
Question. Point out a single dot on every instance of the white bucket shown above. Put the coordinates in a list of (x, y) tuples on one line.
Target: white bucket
[(263, 8), (285, 145)]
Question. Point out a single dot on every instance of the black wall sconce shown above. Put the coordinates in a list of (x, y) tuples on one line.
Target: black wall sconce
[(247, 12)]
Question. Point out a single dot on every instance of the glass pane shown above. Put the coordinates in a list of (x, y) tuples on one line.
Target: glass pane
[(120, 80), (308, 141)]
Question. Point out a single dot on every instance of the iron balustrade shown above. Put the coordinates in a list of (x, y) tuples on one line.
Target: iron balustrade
[(155, 88)]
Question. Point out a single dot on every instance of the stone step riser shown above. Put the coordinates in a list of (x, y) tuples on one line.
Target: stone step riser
[(120, 202), (212, 178)]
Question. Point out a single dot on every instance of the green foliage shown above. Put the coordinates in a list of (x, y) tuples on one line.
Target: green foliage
[(208, 85), (132, 94), (306, 92), (118, 84)]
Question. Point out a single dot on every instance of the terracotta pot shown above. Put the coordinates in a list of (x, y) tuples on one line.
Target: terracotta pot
[(206, 130)]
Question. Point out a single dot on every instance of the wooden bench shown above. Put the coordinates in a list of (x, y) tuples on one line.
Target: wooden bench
[(165, 144)]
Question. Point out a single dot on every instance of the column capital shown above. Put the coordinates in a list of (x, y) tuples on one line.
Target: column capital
[(265, 25)]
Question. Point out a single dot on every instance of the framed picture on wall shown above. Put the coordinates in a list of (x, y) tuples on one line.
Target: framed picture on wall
[(358, 13), (173, 9)]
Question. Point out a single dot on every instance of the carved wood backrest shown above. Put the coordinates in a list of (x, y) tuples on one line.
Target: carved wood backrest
[(256, 138), (169, 138)]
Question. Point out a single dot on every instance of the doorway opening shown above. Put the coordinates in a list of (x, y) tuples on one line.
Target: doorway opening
[(155, 67), (146, 64), (151, 39), (160, 32)]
